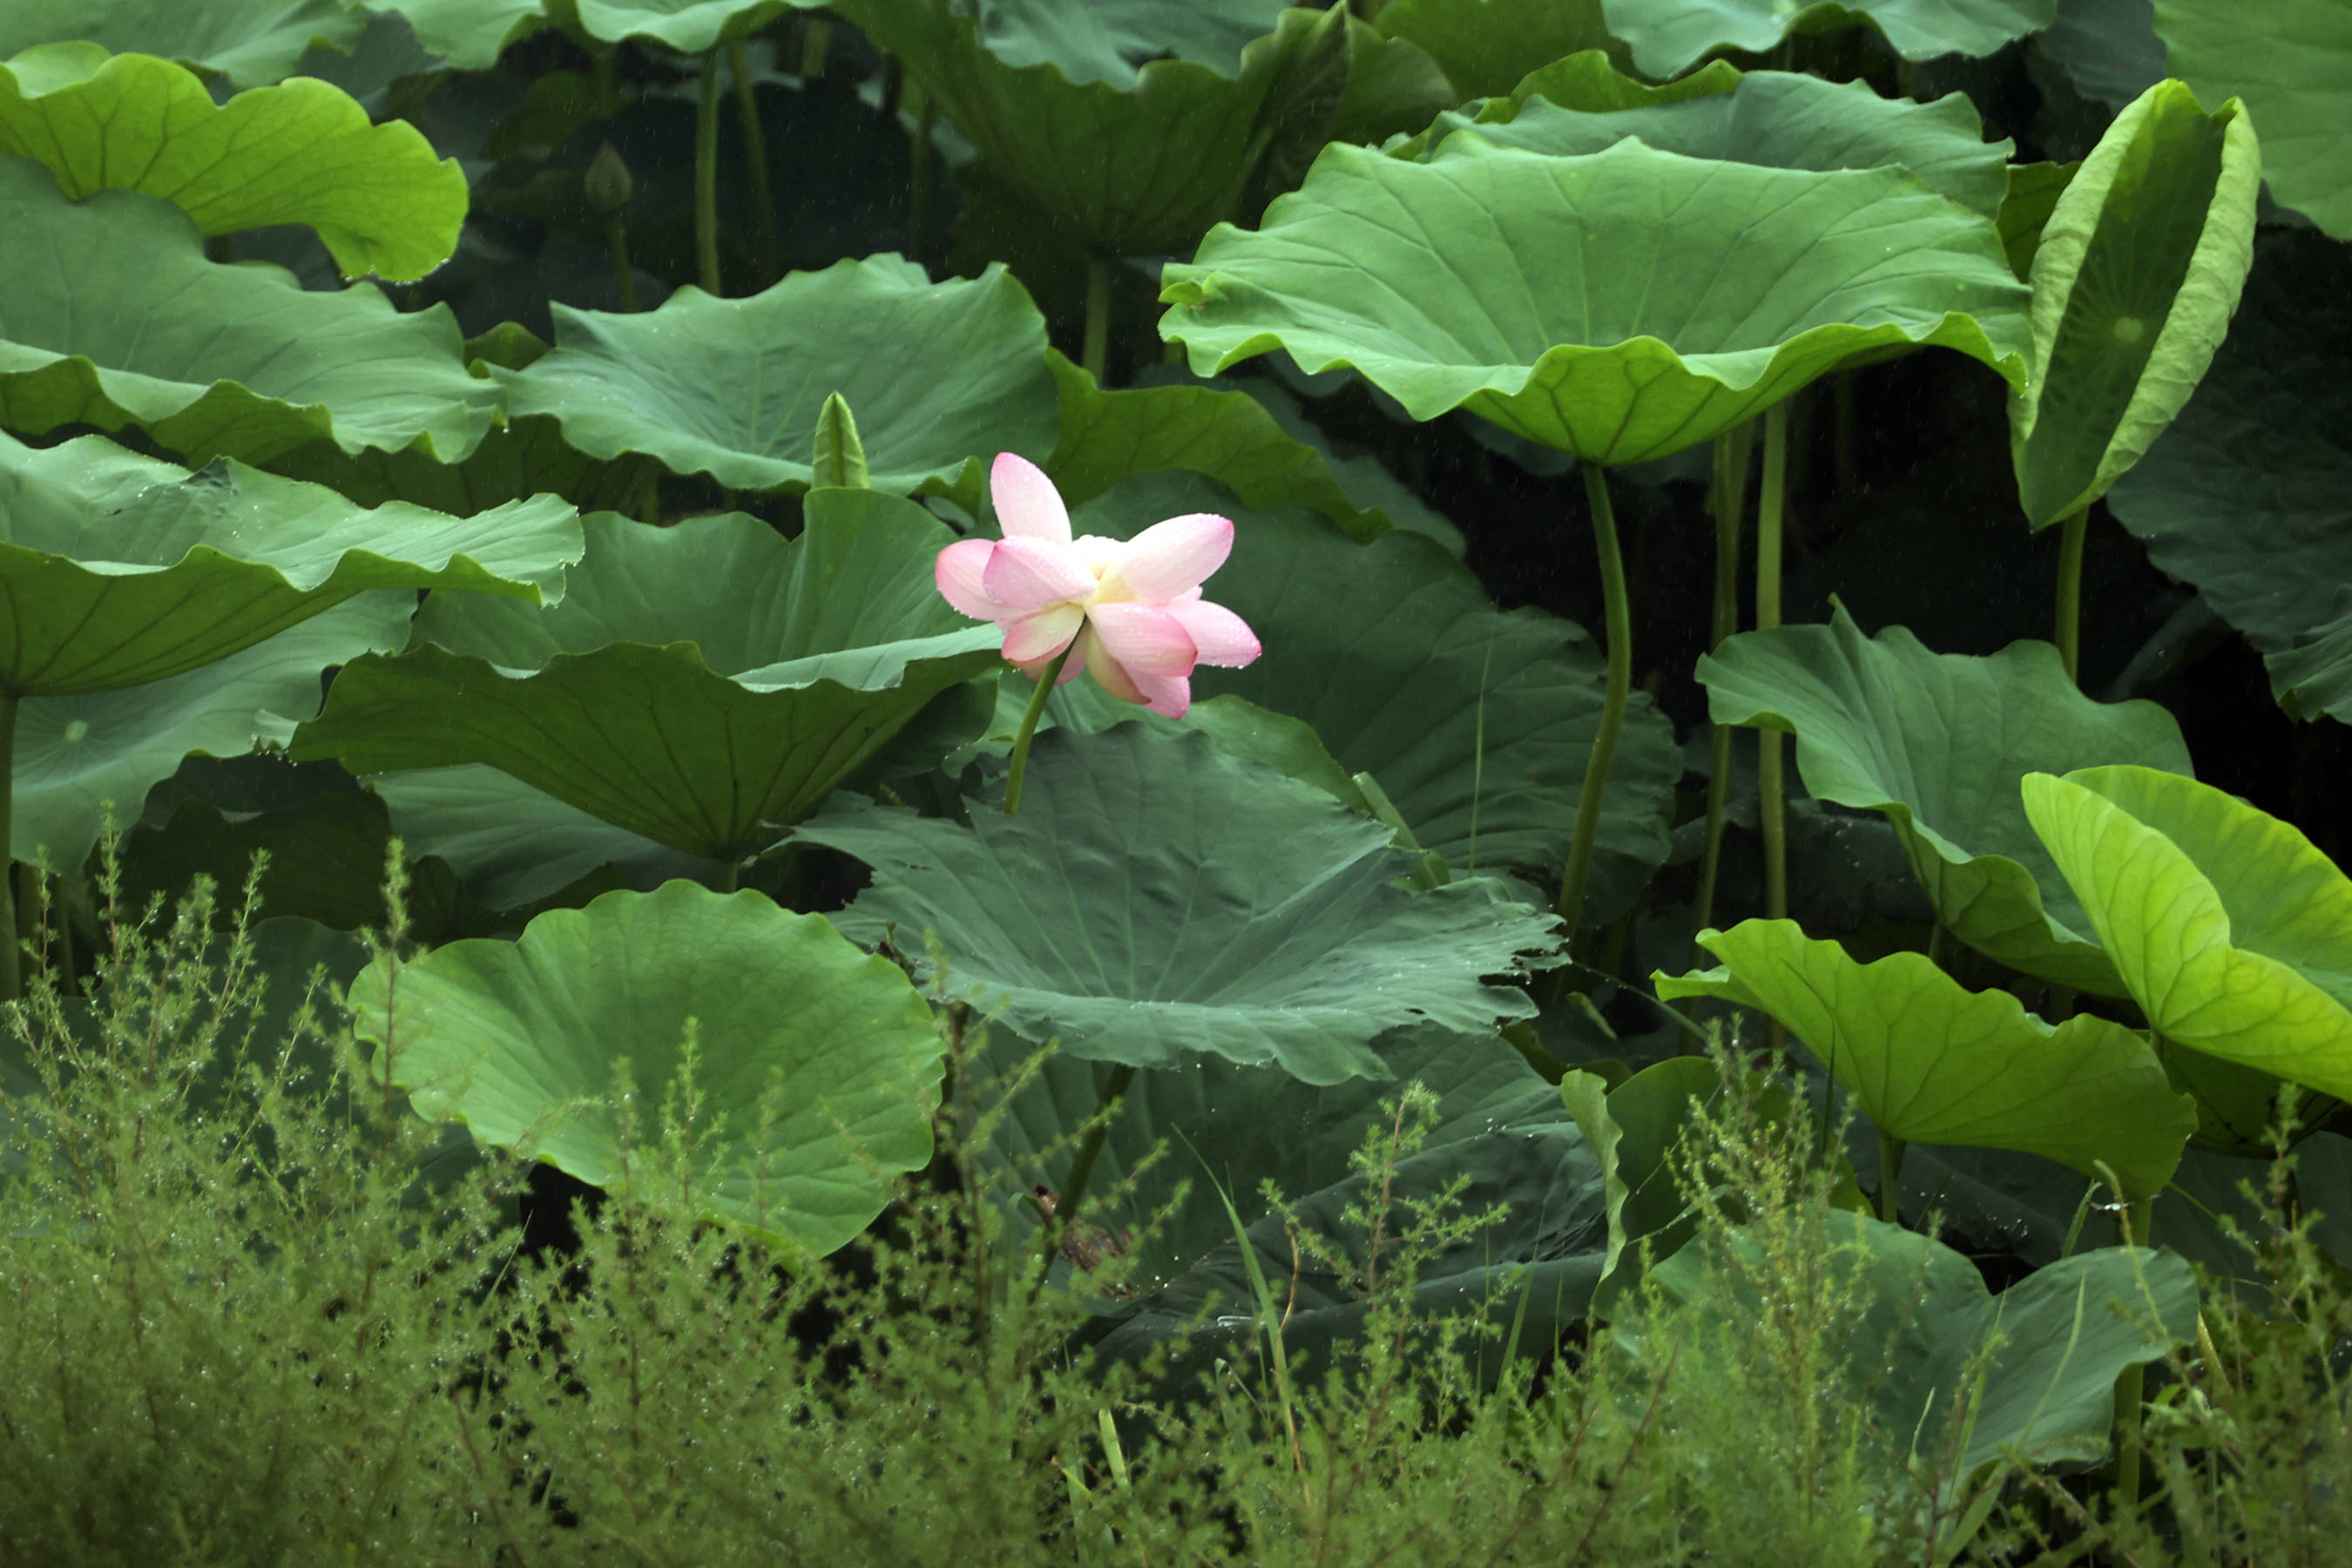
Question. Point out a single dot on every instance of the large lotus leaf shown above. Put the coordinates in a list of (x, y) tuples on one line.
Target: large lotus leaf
[(731, 387), (1107, 436), (1477, 722), (816, 1064), (511, 845), (2234, 932), (1622, 306), (468, 34), (81, 758), (1487, 47), (1529, 1276), (2058, 1338), (2314, 676), (2249, 495), (2108, 48), (213, 360), (1636, 1132), (2136, 274), (1938, 743), (119, 570), (1236, 1127), (689, 27), (1108, 41), (2034, 193), (1777, 118), (1125, 160), (700, 685), (1931, 1062), (2291, 60), (249, 41), (1669, 36), (301, 153), (325, 857), (1157, 899)]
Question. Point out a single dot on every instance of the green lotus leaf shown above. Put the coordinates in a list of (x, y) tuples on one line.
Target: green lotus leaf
[(1239, 1127), (689, 27), (120, 570), (1529, 1276), (1477, 722), (213, 360), (1127, 159), (2249, 495), (1487, 47), (1622, 306), (1636, 1131), (469, 34), (700, 685), (732, 387), (81, 758), (2057, 1340), (1936, 742), (2234, 932), (1668, 37), (1157, 899), (251, 42), (326, 857), (2108, 48), (303, 153), (1931, 1062), (2315, 675), (2291, 60), (511, 845), (2034, 193), (2136, 274), (816, 1065), (1775, 119), (1107, 436)]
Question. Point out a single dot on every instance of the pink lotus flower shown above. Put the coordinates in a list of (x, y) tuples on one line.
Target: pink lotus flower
[(1133, 608)]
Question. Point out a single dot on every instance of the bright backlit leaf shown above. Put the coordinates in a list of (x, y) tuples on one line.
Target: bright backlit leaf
[(732, 387), (2135, 275), (1669, 36), (2232, 931), (700, 685), (1621, 306), (120, 570), (1929, 1061), (1938, 744), (1156, 899), (303, 153), (210, 360), (815, 1065), (2291, 60)]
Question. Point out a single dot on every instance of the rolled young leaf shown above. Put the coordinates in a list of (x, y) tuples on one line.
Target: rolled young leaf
[(1931, 1062), (2136, 274), (303, 153), (2232, 931)]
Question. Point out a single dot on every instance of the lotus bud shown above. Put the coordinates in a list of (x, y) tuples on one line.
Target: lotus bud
[(607, 184)]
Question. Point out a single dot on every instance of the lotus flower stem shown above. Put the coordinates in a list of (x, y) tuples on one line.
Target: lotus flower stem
[(11, 977), (1619, 614), (2068, 635), (755, 154), (1082, 1164), (1771, 797), (705, 175), (1890, 1174), (2131, 1385), (616, 239), (1095, 353), (1028, 732), (1729, 498), (816, 45)]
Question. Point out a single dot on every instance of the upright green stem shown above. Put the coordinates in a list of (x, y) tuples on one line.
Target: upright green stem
[(1619, 613), (2131, 1386), (1082, 1164), (1052, 673), (1890, 1177), (1096, 354), (11, 985), (919, 176), (730, 876), (2073, 529), (616, 237), (1730, 502), (755, 152), (816, 45), (608, 94), (705, 174), (1771, 806)]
